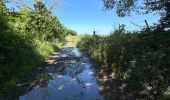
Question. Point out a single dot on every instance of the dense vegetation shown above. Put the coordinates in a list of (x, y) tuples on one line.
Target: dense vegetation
[(27, 38), (71, 32), (139, 58)]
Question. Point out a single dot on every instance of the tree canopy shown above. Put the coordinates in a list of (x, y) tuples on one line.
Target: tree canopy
[(125, 7), (28, 36)]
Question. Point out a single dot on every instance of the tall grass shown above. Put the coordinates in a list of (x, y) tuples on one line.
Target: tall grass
[(21, 58), (139, 58), (72, 40)]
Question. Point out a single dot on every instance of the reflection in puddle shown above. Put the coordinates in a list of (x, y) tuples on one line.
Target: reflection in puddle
[(71, 79)]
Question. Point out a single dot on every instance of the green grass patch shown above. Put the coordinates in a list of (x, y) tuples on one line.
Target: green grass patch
[(72, 40), (20, 61)]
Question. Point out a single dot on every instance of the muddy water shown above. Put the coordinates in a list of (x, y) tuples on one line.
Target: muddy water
[(68, 76)]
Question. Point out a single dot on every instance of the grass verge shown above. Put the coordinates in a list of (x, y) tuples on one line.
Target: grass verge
[(21, 59)]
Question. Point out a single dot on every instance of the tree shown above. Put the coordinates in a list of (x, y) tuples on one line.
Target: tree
[(27, 38), (3, 18), (124, 7), (71, 32), (39, 23)]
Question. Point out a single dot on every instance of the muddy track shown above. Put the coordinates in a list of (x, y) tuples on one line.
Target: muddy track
[(69, 75)]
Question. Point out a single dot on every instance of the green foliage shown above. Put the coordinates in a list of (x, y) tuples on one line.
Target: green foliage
[(125, 7), (139, 58), (166, 94), (71, 32), (27, 38), (152, 55), (39, 23)]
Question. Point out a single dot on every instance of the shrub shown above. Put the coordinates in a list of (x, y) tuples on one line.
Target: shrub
[(139, 58)]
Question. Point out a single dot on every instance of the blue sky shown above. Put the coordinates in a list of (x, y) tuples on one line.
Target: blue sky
[(84, 16)]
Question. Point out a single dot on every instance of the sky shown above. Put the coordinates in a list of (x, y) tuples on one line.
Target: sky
[(85, 16)]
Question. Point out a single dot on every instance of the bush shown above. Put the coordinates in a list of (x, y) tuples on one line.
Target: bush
[(27, 38), (71, 32), (139, 58)]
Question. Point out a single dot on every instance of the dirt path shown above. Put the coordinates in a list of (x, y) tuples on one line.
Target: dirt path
[(70, 75), (67, 76)]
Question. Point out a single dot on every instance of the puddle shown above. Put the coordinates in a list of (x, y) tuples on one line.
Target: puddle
[(72, 79)]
